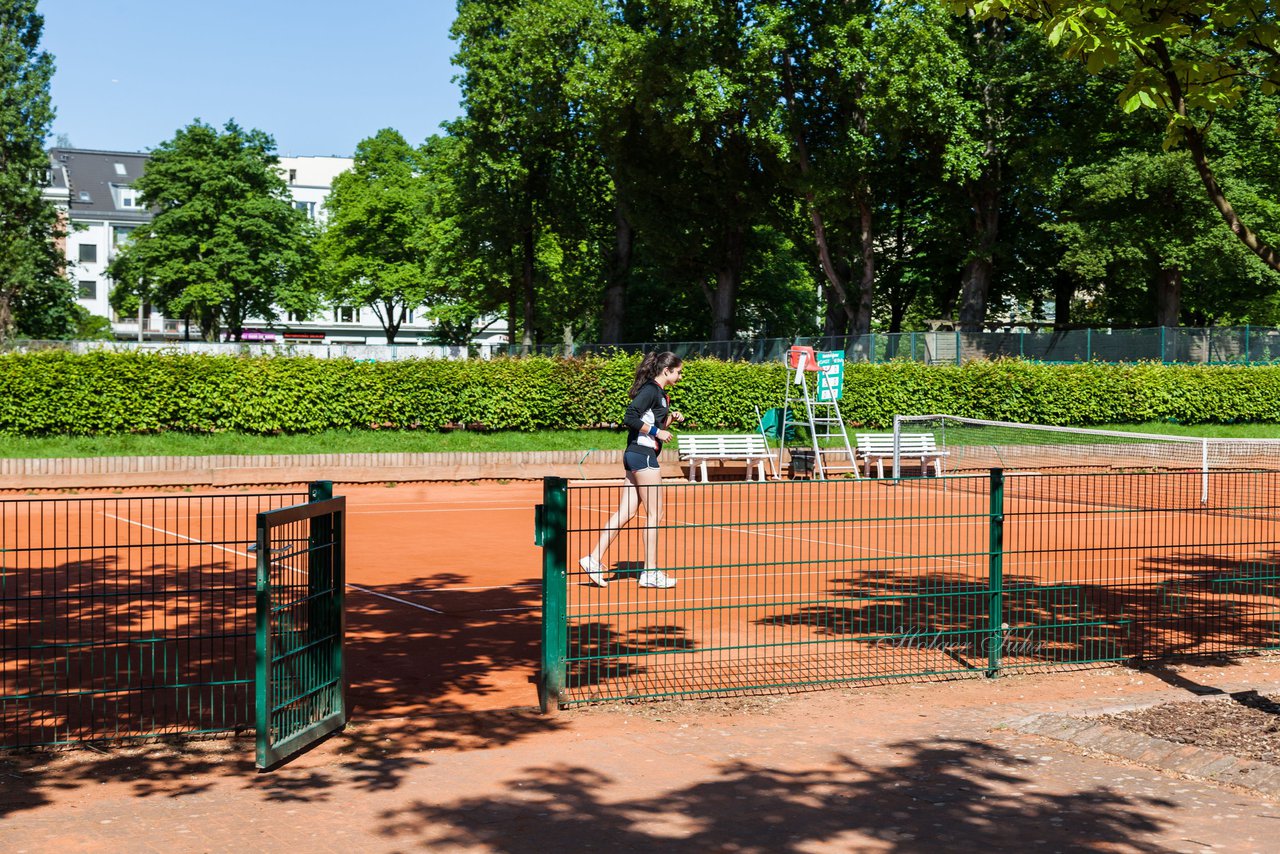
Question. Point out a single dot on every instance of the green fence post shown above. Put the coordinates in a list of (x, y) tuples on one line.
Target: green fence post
[(554, 536), (959, 360), (995, 622), (1247, 357), (262, 645), (1163, 360), (319, 580), (913, 346), (1088, 343)]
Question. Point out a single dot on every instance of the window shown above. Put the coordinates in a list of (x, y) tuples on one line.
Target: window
[(120, 233), (345, 314), (120, 170), (88, 253), (297, 317), (88, 289), (127, 195), (309, 208), (85, 197), (293, 176)]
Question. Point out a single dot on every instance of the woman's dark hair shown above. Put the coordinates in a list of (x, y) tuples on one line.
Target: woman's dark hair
[(650, 366)]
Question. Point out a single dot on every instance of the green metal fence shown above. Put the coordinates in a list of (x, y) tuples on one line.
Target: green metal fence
[(801, 583), (127, 616), (1213, 345), (301, 678)]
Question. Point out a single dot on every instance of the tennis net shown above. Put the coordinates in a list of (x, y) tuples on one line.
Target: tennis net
[(969, 444)]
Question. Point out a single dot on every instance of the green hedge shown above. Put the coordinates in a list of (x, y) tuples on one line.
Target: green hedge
[(52, 393)]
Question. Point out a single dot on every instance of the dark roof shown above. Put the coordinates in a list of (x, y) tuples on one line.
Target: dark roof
[(84, 171)]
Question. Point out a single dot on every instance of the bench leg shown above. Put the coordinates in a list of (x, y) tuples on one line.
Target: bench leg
[(879, 467), (704, 471), (692, 477)]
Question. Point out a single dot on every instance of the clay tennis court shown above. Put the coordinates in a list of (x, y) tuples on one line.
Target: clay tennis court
[(442, 630), (793, 583)]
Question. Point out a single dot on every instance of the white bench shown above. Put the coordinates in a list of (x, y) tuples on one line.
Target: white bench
[(698, 448), (878, 447)]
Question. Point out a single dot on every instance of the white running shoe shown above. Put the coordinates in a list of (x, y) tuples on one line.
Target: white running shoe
[(656, 578), (594, 571)]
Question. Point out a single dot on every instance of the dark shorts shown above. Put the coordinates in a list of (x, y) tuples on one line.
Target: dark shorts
[(639, 460)]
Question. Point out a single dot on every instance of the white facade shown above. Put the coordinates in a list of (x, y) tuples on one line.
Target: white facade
[(94, 188)]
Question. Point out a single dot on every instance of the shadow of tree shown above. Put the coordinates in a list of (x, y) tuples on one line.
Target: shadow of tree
[(597, 652), (410, 670), (944, 794), (1201, 606)]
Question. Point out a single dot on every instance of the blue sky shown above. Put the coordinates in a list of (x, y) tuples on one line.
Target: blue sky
[(318, 75)]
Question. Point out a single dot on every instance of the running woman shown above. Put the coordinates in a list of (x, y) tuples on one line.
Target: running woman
[(647, 418)]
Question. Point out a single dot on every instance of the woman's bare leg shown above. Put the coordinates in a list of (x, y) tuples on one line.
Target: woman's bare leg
[(627, 507), (648, 487)]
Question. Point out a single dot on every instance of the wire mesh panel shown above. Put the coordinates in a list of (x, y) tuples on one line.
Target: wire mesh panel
[(301, 684), (126, 617), (1136, 567), (777, 584), (788, 584)]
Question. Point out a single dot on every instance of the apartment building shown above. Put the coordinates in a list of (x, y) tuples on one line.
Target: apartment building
[(94, 188)]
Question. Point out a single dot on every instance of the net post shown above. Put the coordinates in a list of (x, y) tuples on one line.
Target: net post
[(897, 449), (995, 611), (553, 535), (1204, 471)]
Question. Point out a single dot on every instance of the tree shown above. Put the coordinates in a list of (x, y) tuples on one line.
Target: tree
[(1191, 59), (372, 245), (527, 173), (30, 263), (225, 243)]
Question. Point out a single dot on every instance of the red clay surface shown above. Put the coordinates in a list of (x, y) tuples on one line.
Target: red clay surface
[(445, 753), (443, 598)]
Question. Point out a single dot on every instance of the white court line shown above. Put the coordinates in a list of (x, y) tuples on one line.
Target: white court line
[(531, 585), (426, 503), (175, 534), (395, 599), (254, 557), (524, 508)]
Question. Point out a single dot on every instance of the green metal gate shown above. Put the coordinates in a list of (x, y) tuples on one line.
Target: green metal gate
[(301, 680)]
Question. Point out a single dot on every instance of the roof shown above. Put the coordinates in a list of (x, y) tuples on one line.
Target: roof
[(93, 179)]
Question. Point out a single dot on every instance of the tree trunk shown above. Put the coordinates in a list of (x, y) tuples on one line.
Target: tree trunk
[(724, 299), (975, 284), (862, 316), (6, 313), (392, 327), (836, 290), (1195, 145), (1168, 296), (835, 322), (615, 291), (526, 290), (1064, 290)]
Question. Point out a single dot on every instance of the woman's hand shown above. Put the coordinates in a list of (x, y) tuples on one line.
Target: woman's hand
[(664, 435), (677, 417)]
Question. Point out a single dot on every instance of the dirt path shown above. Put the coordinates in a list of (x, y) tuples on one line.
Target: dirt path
[(902, 768)]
